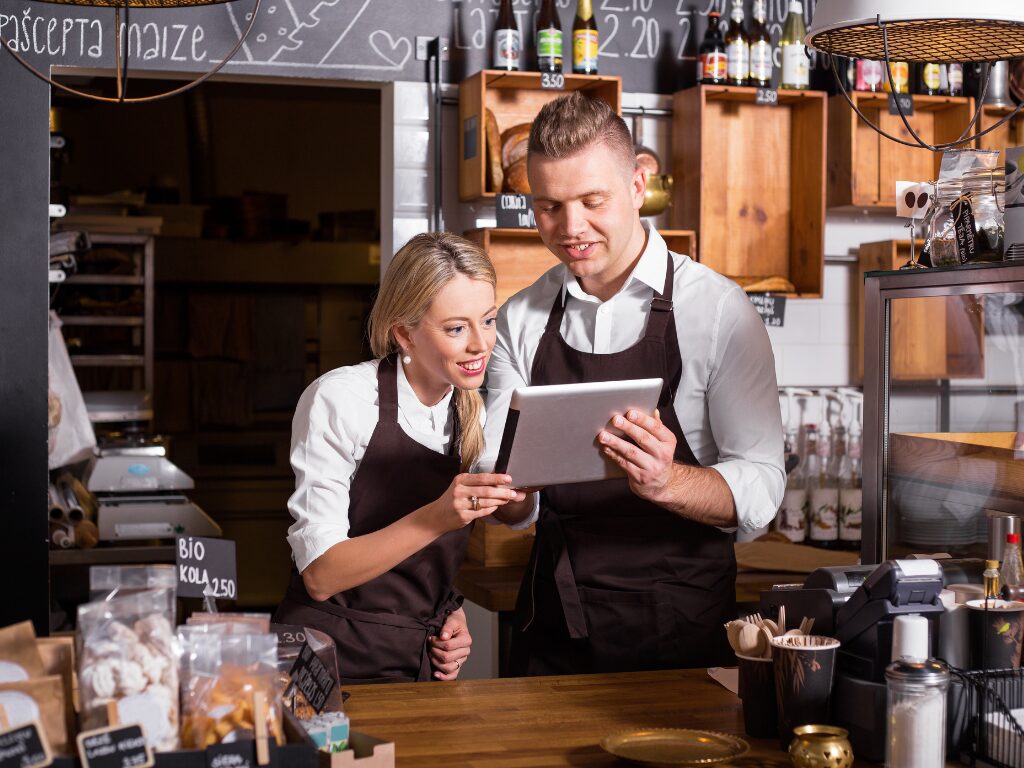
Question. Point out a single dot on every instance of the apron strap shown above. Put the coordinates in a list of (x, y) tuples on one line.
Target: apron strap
[(387, 388), (551, 534)]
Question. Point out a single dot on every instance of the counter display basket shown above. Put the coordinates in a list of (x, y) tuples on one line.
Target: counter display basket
[(943, 407), (982, 724)]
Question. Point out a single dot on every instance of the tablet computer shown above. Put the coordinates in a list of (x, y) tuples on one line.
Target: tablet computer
[(550, 435)]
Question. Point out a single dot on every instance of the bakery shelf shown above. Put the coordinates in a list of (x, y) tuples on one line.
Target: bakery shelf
[(1009, 135), (187, 260), (953, 325), (750, 180), (863, 166), (520, 257), (104, 320), (513, 98), (987, 463)]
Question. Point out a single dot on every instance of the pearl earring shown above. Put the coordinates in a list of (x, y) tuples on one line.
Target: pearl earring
[(406, 359)]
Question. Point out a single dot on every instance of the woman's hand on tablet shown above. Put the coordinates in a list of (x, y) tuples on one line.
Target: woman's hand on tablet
[(471, 496), (649, 463)]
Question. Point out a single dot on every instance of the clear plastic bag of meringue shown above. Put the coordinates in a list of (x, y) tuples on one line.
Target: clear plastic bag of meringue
[(128, 665)]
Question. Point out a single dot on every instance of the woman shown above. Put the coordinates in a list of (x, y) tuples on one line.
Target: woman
[(382, 453)]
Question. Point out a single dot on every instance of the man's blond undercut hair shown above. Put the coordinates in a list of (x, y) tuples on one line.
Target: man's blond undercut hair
[(574, 122)]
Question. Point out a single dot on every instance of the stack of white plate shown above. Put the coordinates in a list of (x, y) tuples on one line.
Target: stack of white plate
[(936, 518)]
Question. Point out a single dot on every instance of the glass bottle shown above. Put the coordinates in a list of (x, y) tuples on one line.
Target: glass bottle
[(737, 47), (791, 521), (900, 71), (760, 41), (584, 39), (1011, 573), (955, 74), (931, 79), (851, 506), (916, 709), (507, 42), (822, 494), (869, 75), (990, 578), (795, 71), (549, 38), (712, 64)]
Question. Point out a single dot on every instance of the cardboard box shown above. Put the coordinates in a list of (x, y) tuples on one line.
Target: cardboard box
[(364, 752)]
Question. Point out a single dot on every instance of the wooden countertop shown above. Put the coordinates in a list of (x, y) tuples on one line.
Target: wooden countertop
[(545, 721)]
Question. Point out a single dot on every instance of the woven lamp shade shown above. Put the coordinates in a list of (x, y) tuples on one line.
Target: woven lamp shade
[(920, 31), (137, 3)]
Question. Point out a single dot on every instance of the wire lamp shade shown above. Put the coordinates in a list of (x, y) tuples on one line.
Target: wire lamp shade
[(984, 31), (920, 30), (121, 55)]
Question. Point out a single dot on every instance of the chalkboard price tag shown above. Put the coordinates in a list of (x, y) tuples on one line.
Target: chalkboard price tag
[(24, 747), (906, 103), (238, 754), (206, 568), (515, 211), (772, 309), (552, 81), (767, 96), (965, 227), (312, 678), (122, 746)]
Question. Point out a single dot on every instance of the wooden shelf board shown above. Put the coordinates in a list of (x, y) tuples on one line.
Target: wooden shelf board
[(748, 94), (123, 361), (501, 79), (105, 280), (186, 260), (112, 555), (981, 461), (100, 320)]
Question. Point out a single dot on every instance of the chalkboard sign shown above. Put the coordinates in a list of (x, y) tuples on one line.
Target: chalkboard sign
[(206, 568), (651, 44), (238, 754), (24, 747), (901, 101), (514, 211), (122, 746), (772, 309), (312, 678)]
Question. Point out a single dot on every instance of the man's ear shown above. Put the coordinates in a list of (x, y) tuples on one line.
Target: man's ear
[(638, 187)]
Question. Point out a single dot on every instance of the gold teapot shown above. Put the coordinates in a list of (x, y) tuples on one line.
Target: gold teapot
[(658, 194), (821, 746)]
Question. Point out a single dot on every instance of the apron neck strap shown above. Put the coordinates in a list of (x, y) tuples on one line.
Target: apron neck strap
[(387, 388)]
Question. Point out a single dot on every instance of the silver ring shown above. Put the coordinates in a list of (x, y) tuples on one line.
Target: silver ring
[(475, 502)]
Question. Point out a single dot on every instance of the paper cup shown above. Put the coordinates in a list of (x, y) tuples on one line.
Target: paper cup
[(996, 634), (757, 690), (804, 670)]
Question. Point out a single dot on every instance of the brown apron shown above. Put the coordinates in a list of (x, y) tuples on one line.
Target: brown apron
[(616, 583), (381, 627)]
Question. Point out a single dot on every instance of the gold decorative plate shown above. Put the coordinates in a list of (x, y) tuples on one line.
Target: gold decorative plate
[(671, 747)]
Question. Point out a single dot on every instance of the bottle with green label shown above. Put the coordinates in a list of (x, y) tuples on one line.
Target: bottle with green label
[(795, 71), (549, 38), (584, 39)]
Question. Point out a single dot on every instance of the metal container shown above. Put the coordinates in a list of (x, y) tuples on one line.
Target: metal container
[(658, 194), (998, 94), (821, 746), (999, 524)]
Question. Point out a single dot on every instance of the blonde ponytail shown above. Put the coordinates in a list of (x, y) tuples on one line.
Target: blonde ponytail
[(414, 277)]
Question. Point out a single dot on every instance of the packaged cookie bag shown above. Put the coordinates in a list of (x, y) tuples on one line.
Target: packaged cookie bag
[(128, 665)]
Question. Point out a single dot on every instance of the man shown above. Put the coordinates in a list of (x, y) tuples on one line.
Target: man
[(634, 573)]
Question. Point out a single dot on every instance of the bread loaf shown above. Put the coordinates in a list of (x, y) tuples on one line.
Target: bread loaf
[(495, 175), (516, 179), (773, 284), (514, 144)]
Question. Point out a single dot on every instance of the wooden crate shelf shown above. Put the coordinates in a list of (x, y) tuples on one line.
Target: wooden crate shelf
[(939, 337), (863, 166), (514, 98), (520, 256), (750, 179)]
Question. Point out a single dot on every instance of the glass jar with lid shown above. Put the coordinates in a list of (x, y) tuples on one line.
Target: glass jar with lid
[(916, 692), (984, 190)]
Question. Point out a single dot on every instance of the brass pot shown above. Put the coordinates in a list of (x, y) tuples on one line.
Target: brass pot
[(821, 746), (658, 194)]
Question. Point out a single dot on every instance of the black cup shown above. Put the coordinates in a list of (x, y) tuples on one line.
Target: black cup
[(996, 634), (757, 690), (804, 671)]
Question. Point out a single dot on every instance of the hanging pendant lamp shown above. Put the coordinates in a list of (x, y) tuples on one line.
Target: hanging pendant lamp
[(984, 31), (121, 60)]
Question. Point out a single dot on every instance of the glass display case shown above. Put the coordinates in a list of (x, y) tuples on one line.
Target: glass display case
[(943, 408)]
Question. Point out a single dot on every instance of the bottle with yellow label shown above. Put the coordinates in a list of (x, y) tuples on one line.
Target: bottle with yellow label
[(900, 71), (584, 39)]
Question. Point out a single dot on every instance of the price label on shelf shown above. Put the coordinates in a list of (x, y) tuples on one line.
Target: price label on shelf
[(906, 103), (552, 81), (772, 309), (767, 96), (515, 211), (122, 746), (24, 747), (206, 568)]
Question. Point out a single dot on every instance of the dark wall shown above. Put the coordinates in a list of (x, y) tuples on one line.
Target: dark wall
[(24, 167)]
